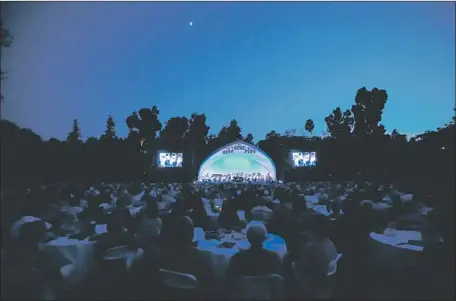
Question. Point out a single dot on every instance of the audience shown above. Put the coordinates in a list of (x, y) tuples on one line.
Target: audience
[(172, 239)]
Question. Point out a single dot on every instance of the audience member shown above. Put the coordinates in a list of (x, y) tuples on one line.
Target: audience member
[(116, 236), (256, 260), (27, 270), (180, 255)]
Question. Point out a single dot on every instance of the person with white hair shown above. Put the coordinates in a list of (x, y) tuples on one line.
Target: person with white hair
[(256, 260)]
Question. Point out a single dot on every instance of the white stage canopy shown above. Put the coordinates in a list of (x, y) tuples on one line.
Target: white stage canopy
[(238, 159)]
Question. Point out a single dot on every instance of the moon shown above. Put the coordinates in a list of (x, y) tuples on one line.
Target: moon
[(190, 23)]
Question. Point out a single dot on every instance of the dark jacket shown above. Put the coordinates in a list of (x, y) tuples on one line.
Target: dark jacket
[(253, 262)]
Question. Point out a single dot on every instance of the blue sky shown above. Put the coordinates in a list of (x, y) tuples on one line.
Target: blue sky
[(270, 65)]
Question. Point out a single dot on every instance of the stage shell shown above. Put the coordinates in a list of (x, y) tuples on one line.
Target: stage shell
[(238, 158)]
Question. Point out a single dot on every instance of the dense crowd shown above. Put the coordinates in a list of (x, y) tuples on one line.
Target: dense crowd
[(259, 241)]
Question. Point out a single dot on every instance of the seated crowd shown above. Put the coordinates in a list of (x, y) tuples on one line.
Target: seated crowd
[(140, 240)]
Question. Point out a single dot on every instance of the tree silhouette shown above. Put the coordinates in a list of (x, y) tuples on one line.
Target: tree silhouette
[(110, 132), (175, 129), (74, 137), (396, 136), (5, 41), (196, 136), (339, 125), (146, 124), (230, 133), (197, 129), (309, 126), (249, 138), (272, 135), (349, 149), (290, 132), (367, 112)]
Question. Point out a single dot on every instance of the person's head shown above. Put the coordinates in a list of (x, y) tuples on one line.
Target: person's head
[(151, 209), (409, 207), (50, 213), (182, 232), (321, 226), (179, 207), (124, 200), (115, 222), (256, 234), (32, 233), (299, 204)]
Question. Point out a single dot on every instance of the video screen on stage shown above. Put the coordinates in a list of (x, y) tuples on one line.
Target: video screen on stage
[(166, 160), (304, 159)]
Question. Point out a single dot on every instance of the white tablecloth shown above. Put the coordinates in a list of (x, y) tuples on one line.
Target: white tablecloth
[(407, 197), (391, 250), (101, 228), (220, 257), (322, 209), (135, 210), (311, 199), (79, 252), (381, 206)]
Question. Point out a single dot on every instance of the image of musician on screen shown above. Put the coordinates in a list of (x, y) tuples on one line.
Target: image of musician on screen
[(298, 159), (179, 160), (164, 159), (313, 159), (306, 159)]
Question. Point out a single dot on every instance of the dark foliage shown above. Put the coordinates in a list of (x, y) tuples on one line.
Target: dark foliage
[(356, 145)]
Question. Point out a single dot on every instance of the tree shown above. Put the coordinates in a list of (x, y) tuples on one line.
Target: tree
[(110, 132), (173, 134), (196, 136), (175, 128), (340, 125), (146, 124), (367, 112), (230, 133), (74, 137), (249, 138), (197, 129), (272, 135), (5, 37), (274, 144), (5, 41), (309, 126), (396, 136), (290, 132)]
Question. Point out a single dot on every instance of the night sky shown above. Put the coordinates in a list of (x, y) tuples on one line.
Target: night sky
[(269, 65)]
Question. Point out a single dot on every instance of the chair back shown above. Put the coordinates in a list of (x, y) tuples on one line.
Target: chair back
[(23, 283), (178, 280), (264, 287), (317, 287), (116, 252), (114, 264), (332, 266)]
